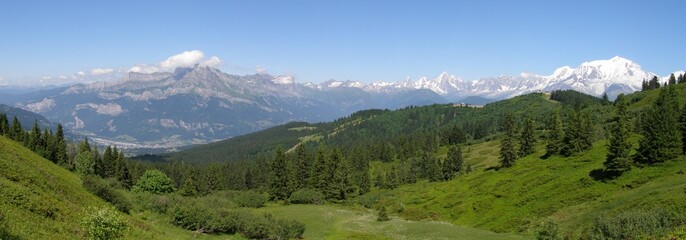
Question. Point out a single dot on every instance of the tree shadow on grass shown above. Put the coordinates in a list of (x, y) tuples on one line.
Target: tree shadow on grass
[(602, 175)]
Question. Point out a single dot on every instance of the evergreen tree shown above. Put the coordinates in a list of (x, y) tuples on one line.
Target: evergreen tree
[(527, 138), (682, 127), (35, 137), (453, 163), (303, 167), (605, 98), (457, 135), (653, 83), (578, 136), (645, 86), (383, 215), (189, 189), (319, 171), (278, 177), (4, 125), (672, 79), (380, 181), (16, 132), (434, 168), (61, 147), (122, 173), (392, 178), (108, 162), (508, 153), (618, 159), (340, 185), (661, 139), (681, 79)]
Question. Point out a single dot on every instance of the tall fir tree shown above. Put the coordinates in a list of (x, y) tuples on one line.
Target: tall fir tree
[(319, 170), (672, 79), (578, 136), (527, 139), (278, 176), (303, 169), (508, 151), (108, 162), (4, 125), (61, 148), (122, 173), (618, 160), (682, 127), (681, 79), (555, 135), (16, 132), (340, 186), (453, 163), (661, 139), (35, 137)]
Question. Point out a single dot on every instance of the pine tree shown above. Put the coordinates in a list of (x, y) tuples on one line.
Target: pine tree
[(35, 137), (508, 153), (319, 170), (303, 167), (578, 136), (653, 83), (340, 185), (527, 139), (122, 172), (681, 79), (453, 163), (383, 215), (618, 159), (189, 189), (278, 188), (392, 178), (682, 127), (645, 86), (16, 132), (4, 125), (107, 165), (605, 98), (61, 147), (380, 181), (661, 139), (672, 79)]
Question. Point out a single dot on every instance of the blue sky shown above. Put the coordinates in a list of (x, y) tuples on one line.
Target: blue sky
[(344, 40)]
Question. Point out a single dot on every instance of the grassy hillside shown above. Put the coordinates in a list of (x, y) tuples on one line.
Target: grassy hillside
[(40, 200), (521, 198)]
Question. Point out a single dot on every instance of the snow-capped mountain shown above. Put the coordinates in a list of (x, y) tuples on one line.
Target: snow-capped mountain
[(201, 104), (613, 76)]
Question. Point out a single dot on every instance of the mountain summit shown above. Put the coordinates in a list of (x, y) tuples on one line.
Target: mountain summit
[(198, 104)]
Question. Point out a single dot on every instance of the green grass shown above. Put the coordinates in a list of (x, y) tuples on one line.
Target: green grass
[(340, 222), (520, 198)]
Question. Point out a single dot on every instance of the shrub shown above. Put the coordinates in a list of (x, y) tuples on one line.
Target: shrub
[(383, 215), (548, 231), (287, 229), (103, 223), (191, 217), (154, 202), (250, 199), (306, 196), (632, 224), (368, 200), (256, 226), (154, 181), (100, 188)]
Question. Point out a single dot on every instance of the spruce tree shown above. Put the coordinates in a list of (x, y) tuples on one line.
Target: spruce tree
[(278, 176), (319, 170), (682, 127), (61, 148), (453, 163), (380, 181), (383, 215), (339, 187), (189, 188), (618, 159), (35, 137), (555, 136), (108, 158), (392, 178), (681, 79), (508, 153), (672, 79), (527, 138), (4, 125), (122, 172), (16, 132), (303, 169), (661, 139), (578, 136)]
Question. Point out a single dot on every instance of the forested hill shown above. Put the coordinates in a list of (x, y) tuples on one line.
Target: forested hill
[(452, 122)]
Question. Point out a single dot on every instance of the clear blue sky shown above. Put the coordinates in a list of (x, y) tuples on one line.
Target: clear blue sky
[(356, 40)]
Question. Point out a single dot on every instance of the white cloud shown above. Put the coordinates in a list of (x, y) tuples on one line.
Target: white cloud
[(214, 61), (80, 73), (260, 70), (101, 71), (63, 77), (184, 59), (46, 78)]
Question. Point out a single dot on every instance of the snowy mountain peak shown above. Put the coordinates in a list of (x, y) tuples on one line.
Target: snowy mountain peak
[(284, 80)]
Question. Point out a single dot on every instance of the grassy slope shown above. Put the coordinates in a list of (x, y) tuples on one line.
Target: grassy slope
[(40, 200), (338, 222), (519, 198)]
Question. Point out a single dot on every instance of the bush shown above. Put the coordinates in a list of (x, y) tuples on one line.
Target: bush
[(154, 181), (383, 215), (368, 200), (103, 223), (287, 229), (100, 188), (548, 231), (154, 202), (632, 224), (250, 199), (191, 217), (306, 196)]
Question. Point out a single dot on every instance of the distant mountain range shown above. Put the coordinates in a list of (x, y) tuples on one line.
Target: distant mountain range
[(202, 104)]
